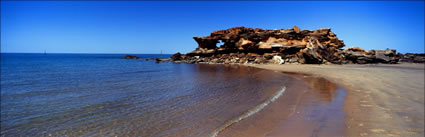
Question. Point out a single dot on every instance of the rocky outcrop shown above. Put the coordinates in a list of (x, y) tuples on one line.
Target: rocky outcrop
[(413, 58), (360, 56), (248, 45)]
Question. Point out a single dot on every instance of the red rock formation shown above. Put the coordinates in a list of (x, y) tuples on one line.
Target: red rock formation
[(294, 45)]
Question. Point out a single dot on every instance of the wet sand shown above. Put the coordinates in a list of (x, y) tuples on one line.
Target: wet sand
[(311, 106), (381, 100)]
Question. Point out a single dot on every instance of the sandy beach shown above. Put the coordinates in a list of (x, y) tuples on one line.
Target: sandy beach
[(381, 100)]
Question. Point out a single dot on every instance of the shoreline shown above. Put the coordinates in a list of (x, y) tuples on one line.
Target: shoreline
[(310, 106), (250, 112), (382, 100)]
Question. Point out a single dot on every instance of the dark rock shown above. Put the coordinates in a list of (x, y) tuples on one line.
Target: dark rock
[(386, 56), (176, 57), (208, 43), (130, 57), (419, 59), (412, 58), (157, 60)]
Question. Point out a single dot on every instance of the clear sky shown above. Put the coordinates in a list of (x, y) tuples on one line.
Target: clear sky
[(149, 27)]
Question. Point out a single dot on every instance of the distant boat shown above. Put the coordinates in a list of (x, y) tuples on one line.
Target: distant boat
[(45, 52)]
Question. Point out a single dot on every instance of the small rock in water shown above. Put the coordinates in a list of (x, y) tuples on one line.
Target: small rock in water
[(130, 57), (157, 60)]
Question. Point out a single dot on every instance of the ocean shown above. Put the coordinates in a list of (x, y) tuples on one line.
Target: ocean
[(103, 95)]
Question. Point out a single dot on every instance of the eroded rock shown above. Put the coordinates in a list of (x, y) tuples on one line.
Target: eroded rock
[(248, 45)]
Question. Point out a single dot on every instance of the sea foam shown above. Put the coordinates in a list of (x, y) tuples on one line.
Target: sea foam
[(250, 112)]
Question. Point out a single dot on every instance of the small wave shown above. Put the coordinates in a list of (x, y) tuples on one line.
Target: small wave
[(251, 112)]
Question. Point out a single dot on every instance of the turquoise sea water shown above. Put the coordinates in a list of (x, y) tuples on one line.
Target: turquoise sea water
[(103, 95)]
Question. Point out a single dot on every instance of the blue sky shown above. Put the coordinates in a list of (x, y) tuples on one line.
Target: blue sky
[(149, 27)]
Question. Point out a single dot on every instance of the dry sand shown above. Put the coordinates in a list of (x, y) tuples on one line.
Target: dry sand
[(382, 100)]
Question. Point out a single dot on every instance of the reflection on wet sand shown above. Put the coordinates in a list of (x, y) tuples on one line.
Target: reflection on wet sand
[(319, 112), (325, 89), (311, 106)]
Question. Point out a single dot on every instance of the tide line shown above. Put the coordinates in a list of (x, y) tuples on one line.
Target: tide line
[(251, 112)]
